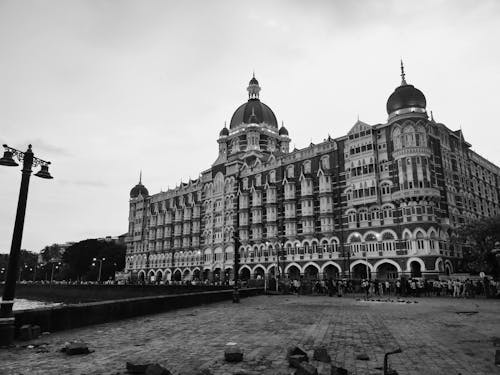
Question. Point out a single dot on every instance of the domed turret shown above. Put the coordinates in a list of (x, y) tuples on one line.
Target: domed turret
[(253, 111), (139, 189), (283, 130), (224, 132), (405, 96)]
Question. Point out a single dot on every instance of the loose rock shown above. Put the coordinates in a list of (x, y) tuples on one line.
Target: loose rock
[(296, 359), (75, 348), (338, 371), (363, 357), (321, 354), (306, 368)]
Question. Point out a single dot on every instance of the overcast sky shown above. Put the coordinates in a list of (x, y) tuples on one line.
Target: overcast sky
[(104, 89)]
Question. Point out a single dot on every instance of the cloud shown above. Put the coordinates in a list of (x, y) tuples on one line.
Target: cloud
[(83, 183), (50, 149)]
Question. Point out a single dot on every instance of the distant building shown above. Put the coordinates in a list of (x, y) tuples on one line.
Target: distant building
[(382, 199)]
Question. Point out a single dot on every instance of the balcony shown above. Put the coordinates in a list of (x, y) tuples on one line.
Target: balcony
[(418, 192)]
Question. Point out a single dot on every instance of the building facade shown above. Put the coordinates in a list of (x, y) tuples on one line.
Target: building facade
[(382, 200)]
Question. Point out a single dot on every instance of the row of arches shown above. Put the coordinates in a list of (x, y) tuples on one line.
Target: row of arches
[(382, 269)]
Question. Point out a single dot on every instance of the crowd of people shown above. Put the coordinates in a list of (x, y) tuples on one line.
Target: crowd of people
[(415, 287)]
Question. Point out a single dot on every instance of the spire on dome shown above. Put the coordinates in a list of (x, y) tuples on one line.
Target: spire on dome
[(140, 177), (253, 88), (253, 118), (403, 81)]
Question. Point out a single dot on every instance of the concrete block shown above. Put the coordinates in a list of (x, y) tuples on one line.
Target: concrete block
[(233, 353), (35, 331), (25, 332)]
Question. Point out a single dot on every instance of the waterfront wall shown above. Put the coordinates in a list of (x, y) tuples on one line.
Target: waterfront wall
[(73, 293), (64, 317)]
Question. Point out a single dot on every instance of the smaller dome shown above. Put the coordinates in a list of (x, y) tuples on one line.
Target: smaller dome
[(139, 189), (283, 131), (253, 81), (224, 132)]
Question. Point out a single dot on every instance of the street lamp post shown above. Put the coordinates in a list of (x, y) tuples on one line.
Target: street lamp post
[(237, 243), (52, 273), (100, 266), (9, 291)]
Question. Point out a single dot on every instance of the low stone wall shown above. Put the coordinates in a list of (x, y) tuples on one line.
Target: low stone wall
[(74, 293), (78, 315)]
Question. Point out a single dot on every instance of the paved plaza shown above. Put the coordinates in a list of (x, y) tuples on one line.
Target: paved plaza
[(435, 335)]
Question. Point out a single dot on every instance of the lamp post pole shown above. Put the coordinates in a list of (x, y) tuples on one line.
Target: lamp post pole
[(100, 267), (28, 159), (237, 243)]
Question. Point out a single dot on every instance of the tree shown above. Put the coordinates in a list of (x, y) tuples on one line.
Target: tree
[(480, 237), (51, 253), (79, 259)]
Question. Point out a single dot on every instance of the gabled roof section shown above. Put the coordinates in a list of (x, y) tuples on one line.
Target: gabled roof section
[(359, 126)]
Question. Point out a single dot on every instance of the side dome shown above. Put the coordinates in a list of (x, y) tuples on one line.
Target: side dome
[(139, 189), (405, 96), (224, 132), (283, 131)]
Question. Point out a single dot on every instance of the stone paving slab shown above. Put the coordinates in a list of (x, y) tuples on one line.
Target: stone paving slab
[(434, 338)]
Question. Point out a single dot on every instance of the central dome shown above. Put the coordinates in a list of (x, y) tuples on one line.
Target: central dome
[(253, 111), (405, 96)]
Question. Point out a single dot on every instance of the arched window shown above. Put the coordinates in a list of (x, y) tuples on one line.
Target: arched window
[(420, 241)]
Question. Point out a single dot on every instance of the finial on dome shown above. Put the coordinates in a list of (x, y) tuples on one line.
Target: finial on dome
[(403, 81), (140, 177), (432, 116), (253, 88)]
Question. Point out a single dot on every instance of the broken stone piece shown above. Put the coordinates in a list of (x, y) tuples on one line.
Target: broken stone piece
[(75, 348), (296, 359), (338, 371), (233, 353), (363, 357), (306, 368), (497, 357), (320, 354), (137, 367), (157, 369), (295, 350)]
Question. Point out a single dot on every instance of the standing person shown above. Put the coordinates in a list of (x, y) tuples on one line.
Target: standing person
[(456, 289), (398, 288), (387, 287), (340, 288), (329, 286)]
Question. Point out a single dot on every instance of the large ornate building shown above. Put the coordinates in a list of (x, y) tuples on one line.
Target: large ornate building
[(383, 199)]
